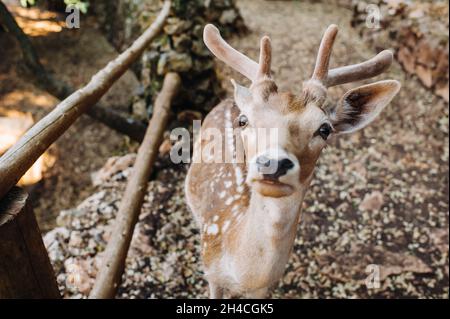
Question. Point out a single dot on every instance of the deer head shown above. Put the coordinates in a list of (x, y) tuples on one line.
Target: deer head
[(304, 126)]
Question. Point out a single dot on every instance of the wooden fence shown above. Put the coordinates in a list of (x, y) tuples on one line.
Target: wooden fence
[(25, 269)]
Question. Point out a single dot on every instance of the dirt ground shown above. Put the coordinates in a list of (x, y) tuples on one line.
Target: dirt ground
[(379, 199)]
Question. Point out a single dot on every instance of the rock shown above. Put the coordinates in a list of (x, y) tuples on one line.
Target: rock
[(372, 201), (425, 54), (416, 13), (64, 218), (399, 263), (199, 48), (174, 61), (113, 166), (54, 241), (353, 265), (176, 26), (57, 234), (139, 109), (425, 75), (406, 58), (182, 42), (443, 91), (125, 20), (75, 239), (77, 276), (228, 16), (198, 32), (439, 238), (418, 31)]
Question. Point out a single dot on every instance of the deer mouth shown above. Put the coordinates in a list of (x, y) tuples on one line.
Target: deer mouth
[(273, 188)]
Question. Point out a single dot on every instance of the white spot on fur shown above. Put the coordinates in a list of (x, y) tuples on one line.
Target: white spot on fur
[(222, 194), (213, 229), (215, 218), (229, 131), (239, 176), (229, 201), (228, 184)]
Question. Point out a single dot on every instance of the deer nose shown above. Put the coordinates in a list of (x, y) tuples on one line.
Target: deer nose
[(273, 168)]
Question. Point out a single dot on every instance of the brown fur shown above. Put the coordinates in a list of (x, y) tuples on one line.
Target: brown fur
[(200, 187)]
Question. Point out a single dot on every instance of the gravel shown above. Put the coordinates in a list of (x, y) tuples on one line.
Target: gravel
[(379, 199)]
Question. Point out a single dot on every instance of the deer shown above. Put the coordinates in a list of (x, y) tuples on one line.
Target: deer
[(247, 214)]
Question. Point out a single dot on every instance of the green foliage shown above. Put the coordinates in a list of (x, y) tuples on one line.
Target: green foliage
[(81, 5), (27, 3)]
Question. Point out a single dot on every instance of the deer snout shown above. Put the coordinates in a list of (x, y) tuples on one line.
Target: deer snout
[(274, 173), (272, 169)]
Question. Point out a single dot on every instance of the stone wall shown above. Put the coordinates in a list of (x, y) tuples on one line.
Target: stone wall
[(418, 31)]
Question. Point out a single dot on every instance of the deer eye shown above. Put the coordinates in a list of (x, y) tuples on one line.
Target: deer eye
[(243, 120), (324, 131)]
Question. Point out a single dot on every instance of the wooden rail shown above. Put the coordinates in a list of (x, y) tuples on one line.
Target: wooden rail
[(20, 157), (109, 276)]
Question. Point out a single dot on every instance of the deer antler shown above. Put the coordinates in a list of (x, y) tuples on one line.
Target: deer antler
[(361, 71), (323, 56), (350, 73), (235, 59)]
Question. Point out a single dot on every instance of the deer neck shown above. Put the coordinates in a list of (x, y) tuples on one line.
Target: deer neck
[(265, 239), (271, 223), (274, 217)]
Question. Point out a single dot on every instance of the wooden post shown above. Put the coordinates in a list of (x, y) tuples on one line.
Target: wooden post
[(113, 263), (25, 269), (21, 156)]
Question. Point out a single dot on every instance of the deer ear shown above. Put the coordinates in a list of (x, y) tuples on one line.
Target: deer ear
[(242, 96), (360, 106)]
